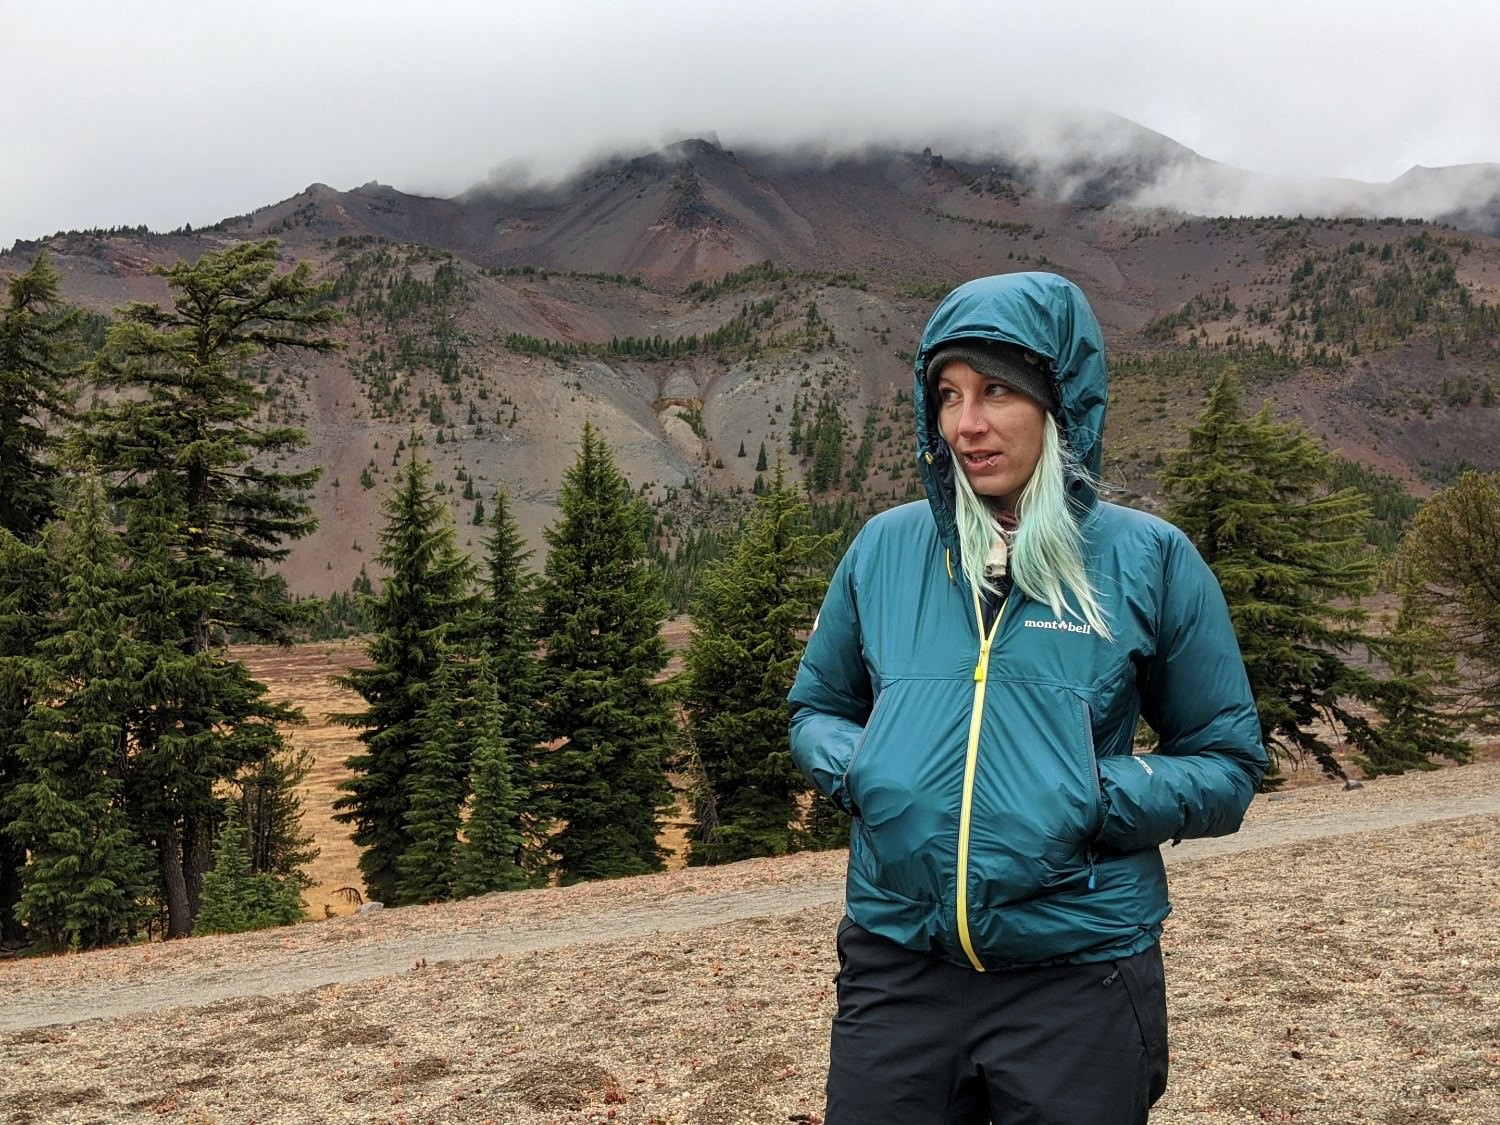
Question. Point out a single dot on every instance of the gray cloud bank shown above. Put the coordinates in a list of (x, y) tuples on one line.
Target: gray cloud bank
[(1084, 156), (171, 111)]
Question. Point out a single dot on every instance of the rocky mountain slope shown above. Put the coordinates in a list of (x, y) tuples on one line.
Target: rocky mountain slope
[(699, 305)]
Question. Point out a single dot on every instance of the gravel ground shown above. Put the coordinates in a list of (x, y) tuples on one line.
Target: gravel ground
[(1335, 962)]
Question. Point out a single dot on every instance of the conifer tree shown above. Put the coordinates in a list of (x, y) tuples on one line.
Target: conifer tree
[(38, 345), (1252, 494), (190, 430), (88, 878), (600, 622), (1452, 554), (275, 839), (28, 578), (508, 642), (828, 448), (184, 445), (226, 885), (237, 899), (435, 789), (420, 608), (1419, 700), (749, 619), (198, 719), (38, 352), (490, 858)]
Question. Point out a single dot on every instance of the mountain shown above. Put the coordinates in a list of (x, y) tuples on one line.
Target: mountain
[(700, 303)]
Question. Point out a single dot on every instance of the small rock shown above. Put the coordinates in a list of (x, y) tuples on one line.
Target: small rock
[(370, 907), (1352, 784)]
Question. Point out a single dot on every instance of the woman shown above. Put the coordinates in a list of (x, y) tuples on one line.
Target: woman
[(970, 694)]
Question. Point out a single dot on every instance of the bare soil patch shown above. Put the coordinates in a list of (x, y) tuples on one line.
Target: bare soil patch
[(1343, 966), (304, 676)]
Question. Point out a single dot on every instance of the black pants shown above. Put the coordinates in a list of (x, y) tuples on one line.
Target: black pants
[(921, 1041)]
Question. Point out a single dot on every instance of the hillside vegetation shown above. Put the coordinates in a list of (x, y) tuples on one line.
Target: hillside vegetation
[(697, 306)]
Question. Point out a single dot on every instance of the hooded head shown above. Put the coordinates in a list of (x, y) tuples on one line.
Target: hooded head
[(1017, 368), (996, 320)]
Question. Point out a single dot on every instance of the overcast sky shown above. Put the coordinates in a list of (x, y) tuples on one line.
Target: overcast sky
[(164, 112)]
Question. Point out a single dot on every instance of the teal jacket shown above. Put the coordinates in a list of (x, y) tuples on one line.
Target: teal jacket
[(1000, 817)]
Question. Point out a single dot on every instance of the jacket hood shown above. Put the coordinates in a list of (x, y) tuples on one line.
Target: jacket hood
[(1045, 314)]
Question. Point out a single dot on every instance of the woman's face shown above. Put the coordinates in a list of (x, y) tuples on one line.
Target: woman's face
[(995, 432)]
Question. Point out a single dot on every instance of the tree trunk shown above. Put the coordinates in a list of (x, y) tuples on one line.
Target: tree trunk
[(198, 859), (179, 913), (12, 858)]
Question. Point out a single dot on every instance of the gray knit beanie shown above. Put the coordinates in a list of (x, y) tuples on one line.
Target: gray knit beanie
[(1006, 363)]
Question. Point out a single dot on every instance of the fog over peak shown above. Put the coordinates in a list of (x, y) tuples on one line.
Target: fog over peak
[(178, 112), (1084, 156), (1467, 195)]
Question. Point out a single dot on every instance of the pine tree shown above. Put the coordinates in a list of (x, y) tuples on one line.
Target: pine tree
[(28, 579), (1289, 553), (435, 789), (1452, 554), (275, 839), (421, 606), (191, 430), (226, 886), (183, 442), (198, 720), (38, 344), (600, 622), (1419, 698), (236, 899), (38, 352), (508, 641), (88, 877), (490, 856), (749, 619), (828, 448)]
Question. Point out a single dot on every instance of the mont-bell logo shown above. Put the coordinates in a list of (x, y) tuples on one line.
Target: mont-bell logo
[(1061, 626)]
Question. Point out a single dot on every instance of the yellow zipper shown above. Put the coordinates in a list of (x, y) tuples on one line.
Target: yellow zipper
[(971, 764)]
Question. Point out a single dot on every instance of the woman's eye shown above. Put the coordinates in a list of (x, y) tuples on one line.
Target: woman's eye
[(997, 390)]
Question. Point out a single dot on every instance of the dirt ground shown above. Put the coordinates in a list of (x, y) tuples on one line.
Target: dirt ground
[(304, 675), (1336, 962)]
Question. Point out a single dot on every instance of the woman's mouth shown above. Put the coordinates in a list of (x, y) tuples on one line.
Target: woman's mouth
[(980, 460)]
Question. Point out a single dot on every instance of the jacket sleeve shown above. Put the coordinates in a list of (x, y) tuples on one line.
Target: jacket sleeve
[(831, 697), (1196, 696)]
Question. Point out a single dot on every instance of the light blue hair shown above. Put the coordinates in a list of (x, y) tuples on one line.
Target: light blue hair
[(1047, 555)]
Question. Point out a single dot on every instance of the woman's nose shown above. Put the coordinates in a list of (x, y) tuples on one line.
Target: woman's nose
[(972, 420)]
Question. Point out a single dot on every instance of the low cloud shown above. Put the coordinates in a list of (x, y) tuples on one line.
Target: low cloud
[(1467, 195)]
